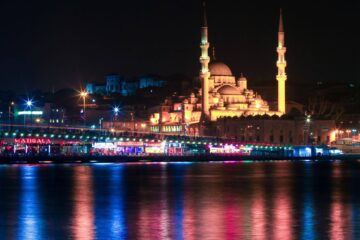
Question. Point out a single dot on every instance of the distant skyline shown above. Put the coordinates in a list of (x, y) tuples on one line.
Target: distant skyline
[(49, 45)]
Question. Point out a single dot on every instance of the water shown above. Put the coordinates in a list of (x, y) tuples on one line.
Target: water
[(248, 200)]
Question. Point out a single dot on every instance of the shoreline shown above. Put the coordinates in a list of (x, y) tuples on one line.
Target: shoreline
[(139, 159)]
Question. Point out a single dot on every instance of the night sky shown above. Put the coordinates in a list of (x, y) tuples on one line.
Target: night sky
[(56, 44)]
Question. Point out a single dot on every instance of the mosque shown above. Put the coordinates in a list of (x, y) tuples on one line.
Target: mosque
[(221, 94)]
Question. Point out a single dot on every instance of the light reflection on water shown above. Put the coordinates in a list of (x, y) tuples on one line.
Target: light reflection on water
[(82, 226), (271, 200), (29, 220)]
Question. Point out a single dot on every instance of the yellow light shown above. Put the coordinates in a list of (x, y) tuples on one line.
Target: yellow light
[(333, 136), (143, 125), (83, 93), (37, 120)]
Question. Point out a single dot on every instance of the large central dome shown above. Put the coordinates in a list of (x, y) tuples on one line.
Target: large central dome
[(219, 69)]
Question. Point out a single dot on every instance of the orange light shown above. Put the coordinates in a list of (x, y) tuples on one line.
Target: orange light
[(83, 93)]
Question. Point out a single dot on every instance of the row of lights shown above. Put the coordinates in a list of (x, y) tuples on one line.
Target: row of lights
[(6, 134)]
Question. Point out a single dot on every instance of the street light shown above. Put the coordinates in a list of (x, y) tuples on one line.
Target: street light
[(29, 103), (84, 94), (116, 110), (10, 112), (309, 129)]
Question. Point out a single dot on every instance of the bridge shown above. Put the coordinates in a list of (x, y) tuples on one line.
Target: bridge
[(50, 134)]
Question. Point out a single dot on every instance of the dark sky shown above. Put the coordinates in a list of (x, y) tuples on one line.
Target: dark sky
[(45, 44)]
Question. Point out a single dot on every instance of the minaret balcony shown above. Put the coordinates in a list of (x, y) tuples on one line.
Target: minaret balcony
[(281, 64), (204, 45), (281, 51)]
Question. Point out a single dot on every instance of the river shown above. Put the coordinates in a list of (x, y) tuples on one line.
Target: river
[(232, 200)]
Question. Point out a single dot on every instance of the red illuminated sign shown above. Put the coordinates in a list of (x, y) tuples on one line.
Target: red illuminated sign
[(130, 144), (32, 141)]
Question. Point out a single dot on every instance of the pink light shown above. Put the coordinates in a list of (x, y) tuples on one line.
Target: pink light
[(83, 218)]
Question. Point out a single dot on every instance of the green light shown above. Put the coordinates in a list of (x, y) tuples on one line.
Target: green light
[(37, 135), (45, 135)]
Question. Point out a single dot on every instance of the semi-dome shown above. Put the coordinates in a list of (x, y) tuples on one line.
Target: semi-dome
[(228, 90), (219, 69)]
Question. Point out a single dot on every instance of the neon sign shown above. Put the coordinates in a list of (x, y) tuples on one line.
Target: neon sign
[(30, 113), (104, 145), (32, 141), (130, 144)]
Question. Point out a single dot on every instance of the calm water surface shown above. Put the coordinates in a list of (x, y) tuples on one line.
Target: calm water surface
[(248, 200)]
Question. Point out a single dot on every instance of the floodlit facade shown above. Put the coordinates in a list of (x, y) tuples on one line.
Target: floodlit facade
[(221, 95)]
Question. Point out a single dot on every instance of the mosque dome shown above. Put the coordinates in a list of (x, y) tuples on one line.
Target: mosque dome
[(219, 69), (228, 90)]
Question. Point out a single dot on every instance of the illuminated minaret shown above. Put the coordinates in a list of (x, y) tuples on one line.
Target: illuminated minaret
[(204, 60), (281, 65)]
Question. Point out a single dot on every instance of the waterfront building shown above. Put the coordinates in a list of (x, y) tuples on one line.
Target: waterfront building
[(127, 125), (285, 130), (54, 114), (221, 95)]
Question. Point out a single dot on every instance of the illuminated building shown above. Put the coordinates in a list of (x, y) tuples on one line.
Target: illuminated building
[(221, 94), (293, 131), (113, 83)]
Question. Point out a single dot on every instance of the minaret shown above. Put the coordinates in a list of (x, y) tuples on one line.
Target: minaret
[(204, 60), (281, 65)]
